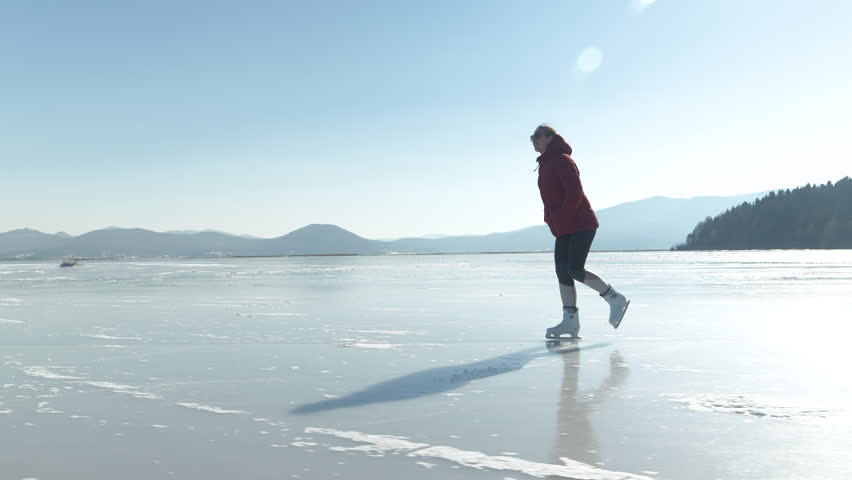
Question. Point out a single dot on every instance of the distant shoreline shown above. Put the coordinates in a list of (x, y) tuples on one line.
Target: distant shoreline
[(394, 254)]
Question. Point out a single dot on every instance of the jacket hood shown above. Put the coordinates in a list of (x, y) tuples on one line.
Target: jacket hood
[(557, 146)]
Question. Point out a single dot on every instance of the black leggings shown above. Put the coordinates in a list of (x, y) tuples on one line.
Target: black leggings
[(570, 256)]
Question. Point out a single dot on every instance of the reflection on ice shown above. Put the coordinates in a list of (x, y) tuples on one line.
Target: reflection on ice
[(575, 437), (575, 451)]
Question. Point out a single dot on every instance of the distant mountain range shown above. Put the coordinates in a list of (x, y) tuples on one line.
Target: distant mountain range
[(656, 223)]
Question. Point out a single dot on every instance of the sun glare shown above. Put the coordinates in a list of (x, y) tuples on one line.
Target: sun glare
[(590, 59)]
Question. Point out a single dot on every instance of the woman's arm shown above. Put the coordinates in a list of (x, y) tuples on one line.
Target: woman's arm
[(569, 179)]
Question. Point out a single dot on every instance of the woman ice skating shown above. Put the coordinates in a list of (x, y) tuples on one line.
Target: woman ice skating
[(573, 222)]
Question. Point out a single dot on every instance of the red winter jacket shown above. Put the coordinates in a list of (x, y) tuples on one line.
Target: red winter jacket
[(566, 208)]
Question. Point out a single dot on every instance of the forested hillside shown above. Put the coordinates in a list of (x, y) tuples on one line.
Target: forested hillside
[(806, 217)]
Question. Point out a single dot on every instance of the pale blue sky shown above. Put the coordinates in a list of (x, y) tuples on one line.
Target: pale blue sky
[(405, 118)]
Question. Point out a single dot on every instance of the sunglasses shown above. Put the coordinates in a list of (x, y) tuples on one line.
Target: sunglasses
[(536, 135)]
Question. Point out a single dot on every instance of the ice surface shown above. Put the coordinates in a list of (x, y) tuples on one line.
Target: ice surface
[(728, 365)]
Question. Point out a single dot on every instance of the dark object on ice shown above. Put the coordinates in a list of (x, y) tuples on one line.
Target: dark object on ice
[(439, 380), (69, 262)]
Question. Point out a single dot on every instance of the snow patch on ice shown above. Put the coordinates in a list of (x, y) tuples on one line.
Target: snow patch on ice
[(391, 332), (206, 408), (43, 408), (108, 337), (378, 444), (208, 335), (369, 344), (745, 405), (6, 320), (126, 389), (43, 372)]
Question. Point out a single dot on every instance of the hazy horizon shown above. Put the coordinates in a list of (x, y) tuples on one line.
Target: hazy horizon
[(424, 235)]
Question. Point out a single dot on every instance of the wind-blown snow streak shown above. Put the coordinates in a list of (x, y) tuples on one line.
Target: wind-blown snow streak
[(480, 461), (43, 372), (205, 408)]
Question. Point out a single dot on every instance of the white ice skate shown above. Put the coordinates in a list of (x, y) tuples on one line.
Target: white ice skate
[(617, 306), (570, 326)]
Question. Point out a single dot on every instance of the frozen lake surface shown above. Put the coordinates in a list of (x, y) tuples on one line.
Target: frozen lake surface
[(728, 365)]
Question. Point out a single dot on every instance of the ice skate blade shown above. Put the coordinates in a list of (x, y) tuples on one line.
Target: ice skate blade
[(620, 318), (562, 346), (561, 339)]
